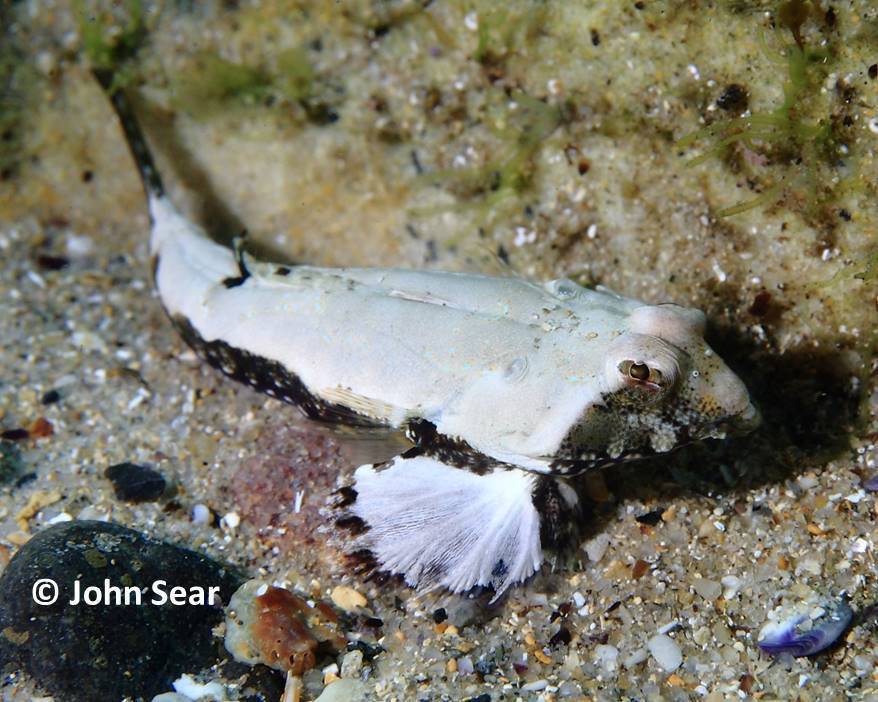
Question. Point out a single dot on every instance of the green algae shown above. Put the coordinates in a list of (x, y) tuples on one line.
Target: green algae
[(868, 274), (212, 84), (504, 28), (17, 83), (380, 18), (296, 75), (108, 45), (520, 123), (807, 163)]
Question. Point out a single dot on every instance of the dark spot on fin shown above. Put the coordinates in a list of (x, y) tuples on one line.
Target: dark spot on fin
[(282, 270), (362, 563), (413, 452), (353, 524), (267, 376), (559, 520), (500, 569), (243, 272), (345, 496), (446, 449), (234, 282)]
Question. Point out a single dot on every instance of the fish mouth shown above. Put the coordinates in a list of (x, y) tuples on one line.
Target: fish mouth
[(738, 424), (746, 421)]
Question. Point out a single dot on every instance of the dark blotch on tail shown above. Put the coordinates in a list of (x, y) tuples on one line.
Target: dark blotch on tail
[(152, 182)]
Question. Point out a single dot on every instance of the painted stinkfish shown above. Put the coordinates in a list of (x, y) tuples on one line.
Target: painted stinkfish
[(507, 388)]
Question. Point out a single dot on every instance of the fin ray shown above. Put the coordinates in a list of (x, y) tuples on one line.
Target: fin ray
[(440, 526)]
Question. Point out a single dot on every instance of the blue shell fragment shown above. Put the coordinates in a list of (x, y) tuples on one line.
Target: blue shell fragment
[(804, 632)]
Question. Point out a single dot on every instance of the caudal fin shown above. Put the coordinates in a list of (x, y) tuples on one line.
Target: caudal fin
[(152, 181), (187, 263)]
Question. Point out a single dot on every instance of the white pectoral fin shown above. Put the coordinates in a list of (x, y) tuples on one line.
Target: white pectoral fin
[(441, 526)]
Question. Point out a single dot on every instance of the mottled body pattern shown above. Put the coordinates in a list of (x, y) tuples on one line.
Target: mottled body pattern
[(506, 387)]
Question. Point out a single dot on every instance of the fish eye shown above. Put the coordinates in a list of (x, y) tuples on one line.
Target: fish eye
[(642, 373), (638, 371)]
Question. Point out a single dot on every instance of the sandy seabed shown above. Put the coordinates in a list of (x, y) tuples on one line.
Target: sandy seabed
[(541, 139)]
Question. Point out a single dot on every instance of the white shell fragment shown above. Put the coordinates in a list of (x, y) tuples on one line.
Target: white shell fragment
[(506, 387), (666, 652)]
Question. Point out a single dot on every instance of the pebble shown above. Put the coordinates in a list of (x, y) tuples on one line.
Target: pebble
[(465, 612), (731, 586), (569, 688), (636, 658), (351, 664), (465, 665), (86, 653), (536, 686), (606, 656), (665, 651), (597, 547), (50, 397), (230, 521), (347, 598), (201, 514), (135, 483), (190, 688), (343, 691), (46, 63), (11, 466), (708, 589)]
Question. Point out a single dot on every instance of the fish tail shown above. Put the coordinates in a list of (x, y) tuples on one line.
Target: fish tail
[(187, 265), (152, 181)]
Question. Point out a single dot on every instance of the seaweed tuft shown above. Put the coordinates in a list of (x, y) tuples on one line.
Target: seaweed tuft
[(108, 44), (796, 155)]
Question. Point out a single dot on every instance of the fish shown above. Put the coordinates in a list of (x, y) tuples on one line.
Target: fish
[(506, 388)]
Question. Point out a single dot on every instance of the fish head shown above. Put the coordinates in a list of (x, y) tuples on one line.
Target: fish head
[(662, 387)]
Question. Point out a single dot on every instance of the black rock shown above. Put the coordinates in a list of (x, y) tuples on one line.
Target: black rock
[(50, 397), (19, 434), (368, 650), (107, 651), (733, 99), (651, 518), (562, 637), (134, 483)]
